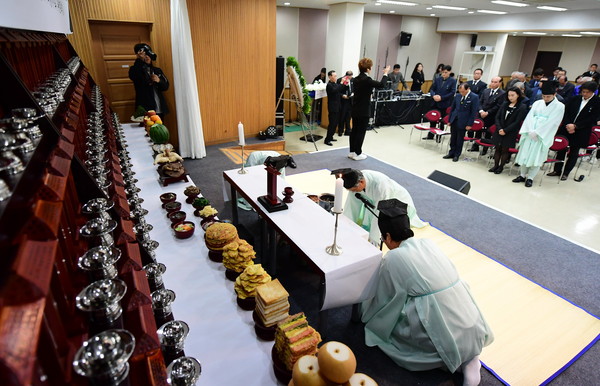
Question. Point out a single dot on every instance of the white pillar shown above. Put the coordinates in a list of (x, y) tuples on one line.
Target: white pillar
[(344, 32)]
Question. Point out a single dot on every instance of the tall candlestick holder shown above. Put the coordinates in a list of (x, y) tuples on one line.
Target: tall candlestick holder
[(243, 169), (334, 249)]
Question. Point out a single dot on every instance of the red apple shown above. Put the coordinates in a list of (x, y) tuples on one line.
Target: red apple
[(360, 379), (306, 372), (336, 361)]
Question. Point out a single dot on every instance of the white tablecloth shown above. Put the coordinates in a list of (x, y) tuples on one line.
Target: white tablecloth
[(221, 335), (349, 278)]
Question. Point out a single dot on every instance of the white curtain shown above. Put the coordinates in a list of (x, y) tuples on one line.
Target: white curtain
[(189, 121)]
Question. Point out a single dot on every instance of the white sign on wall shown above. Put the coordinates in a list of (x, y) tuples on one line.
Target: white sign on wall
[(36, 15)]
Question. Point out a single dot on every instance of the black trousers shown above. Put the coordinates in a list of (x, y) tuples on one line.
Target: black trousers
[(571, 160), (357, 136), (345, 116), (457, 139), (334, 119)]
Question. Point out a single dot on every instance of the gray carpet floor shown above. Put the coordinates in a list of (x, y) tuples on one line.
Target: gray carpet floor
[(556, 264)]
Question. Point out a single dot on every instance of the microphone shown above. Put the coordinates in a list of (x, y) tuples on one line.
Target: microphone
[(364, 200)]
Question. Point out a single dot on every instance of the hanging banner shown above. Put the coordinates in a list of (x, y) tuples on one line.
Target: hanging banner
[(36, 15)]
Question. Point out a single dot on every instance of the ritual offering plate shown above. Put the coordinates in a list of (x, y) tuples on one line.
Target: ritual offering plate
[(167, 197), (177, 216), (173, 206), (97, 205), (184, 229)]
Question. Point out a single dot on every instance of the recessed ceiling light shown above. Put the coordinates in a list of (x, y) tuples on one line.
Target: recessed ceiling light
[(429, 8), (492, 12), (571, 35), (471, 12), (286, 3), (392, 11), (510, 3), (547, 8), (432, 14), (377, 3), (397, 2), (448, 7), (590, 33), (534, 33)]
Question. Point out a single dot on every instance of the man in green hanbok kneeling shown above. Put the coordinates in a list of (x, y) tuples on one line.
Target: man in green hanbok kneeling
[(423, 315)]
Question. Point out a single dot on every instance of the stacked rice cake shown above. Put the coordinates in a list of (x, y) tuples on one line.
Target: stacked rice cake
[(220, 234), (294, 338), (238, 255), (272, 303), (252, 277)]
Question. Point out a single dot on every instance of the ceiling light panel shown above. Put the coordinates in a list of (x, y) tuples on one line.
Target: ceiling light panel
[(534, 33), (449, 7), (510, 3), (406, 3), (492, 12), (548, 8)]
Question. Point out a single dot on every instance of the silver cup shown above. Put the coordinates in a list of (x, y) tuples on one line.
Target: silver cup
[(102, 300), (154, 272), (99, 263), (161, 302), (184, 371), (172, 336)]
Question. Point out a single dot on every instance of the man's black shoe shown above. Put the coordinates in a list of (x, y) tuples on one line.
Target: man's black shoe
[(328, 143), (455, 159), (334, 140), (553, 174), (427, 139), (340, 134), (519, 179), (498, 171), (528, 183), (492, 169), (448, 156), (564, 177), (347, 133)]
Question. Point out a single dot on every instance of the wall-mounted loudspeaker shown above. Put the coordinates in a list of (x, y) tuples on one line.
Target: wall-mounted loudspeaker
[(405, 38), (452, 182), (473, 40)]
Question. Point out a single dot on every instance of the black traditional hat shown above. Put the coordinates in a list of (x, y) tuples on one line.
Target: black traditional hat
[(549, 87), (393, 212), (350, 176)]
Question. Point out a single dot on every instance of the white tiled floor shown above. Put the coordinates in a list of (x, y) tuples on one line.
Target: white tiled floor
[(570, 209)]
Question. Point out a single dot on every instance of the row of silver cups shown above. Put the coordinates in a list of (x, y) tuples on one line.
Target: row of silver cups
[(102, 298), (50, 93), (19, 137)]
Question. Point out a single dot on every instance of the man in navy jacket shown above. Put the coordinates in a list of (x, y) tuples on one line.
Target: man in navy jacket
[(442, 91), (464, 111)]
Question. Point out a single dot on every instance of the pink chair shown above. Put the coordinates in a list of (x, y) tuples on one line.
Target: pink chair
[(429, 119), (560, 143)]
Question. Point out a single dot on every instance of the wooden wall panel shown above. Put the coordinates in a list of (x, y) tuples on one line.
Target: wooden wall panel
[(155, 12), (234, 51)]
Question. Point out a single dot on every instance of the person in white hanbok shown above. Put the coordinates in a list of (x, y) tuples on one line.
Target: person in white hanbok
[(373, 187), (423, 315), (537, 133)]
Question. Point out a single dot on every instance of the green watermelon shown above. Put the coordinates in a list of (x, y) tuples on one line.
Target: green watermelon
[(159, 133)]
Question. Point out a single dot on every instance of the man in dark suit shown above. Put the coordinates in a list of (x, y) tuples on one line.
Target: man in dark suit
[(490, 101), (442, 92), (593, 72), (463, 114), (344, 127), (334, 104), (565, 88), (477, 85), (537, 74), (581, 113)]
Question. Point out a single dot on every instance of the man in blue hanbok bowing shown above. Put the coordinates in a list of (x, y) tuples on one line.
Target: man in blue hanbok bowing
[(423, 315)]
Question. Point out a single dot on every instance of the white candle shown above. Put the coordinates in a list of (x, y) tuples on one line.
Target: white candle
[(339, 194), (242, 139)]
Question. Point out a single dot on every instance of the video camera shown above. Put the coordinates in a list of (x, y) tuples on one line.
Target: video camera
[(146, 48)]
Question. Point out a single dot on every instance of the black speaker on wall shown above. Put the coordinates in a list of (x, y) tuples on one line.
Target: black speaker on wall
[(405, 38), (279, 82), (473, 40), (452, 182)]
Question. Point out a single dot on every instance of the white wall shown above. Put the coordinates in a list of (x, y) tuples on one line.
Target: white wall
[(287, 31), (576, 52), (512, 55), (463, 44), (423, 47), (370, 36)]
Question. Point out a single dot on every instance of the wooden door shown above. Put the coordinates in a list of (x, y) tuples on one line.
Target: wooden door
[(112, 47), (548, 61)]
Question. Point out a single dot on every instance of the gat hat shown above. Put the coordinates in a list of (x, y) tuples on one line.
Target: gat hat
[(146, 48), (549, 87), (350, 176), (394, 211)]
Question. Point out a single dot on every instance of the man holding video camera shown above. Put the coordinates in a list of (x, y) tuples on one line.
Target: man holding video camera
[(149, 81)]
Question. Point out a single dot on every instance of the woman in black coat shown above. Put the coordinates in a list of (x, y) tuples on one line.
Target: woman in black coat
[(509, 118), (417, 77)]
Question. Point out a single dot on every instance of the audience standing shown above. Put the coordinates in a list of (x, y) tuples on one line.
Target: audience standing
[(537, 133), (489, 102), (334, 104), (565, 88), (396, 78), (581, 113), (438, 71), (418, 78), (509, 118), (442, 92), (344, 127), (477, 85), (463, 114)]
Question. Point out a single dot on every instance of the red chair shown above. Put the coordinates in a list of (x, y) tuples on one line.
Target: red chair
[(560, 143), (477, 126), (596, 130), (590, 152), (491, 130), (513, 150), (442, 133), (432, 117)]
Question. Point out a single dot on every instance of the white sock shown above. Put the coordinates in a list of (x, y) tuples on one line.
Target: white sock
[(471, 372)]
